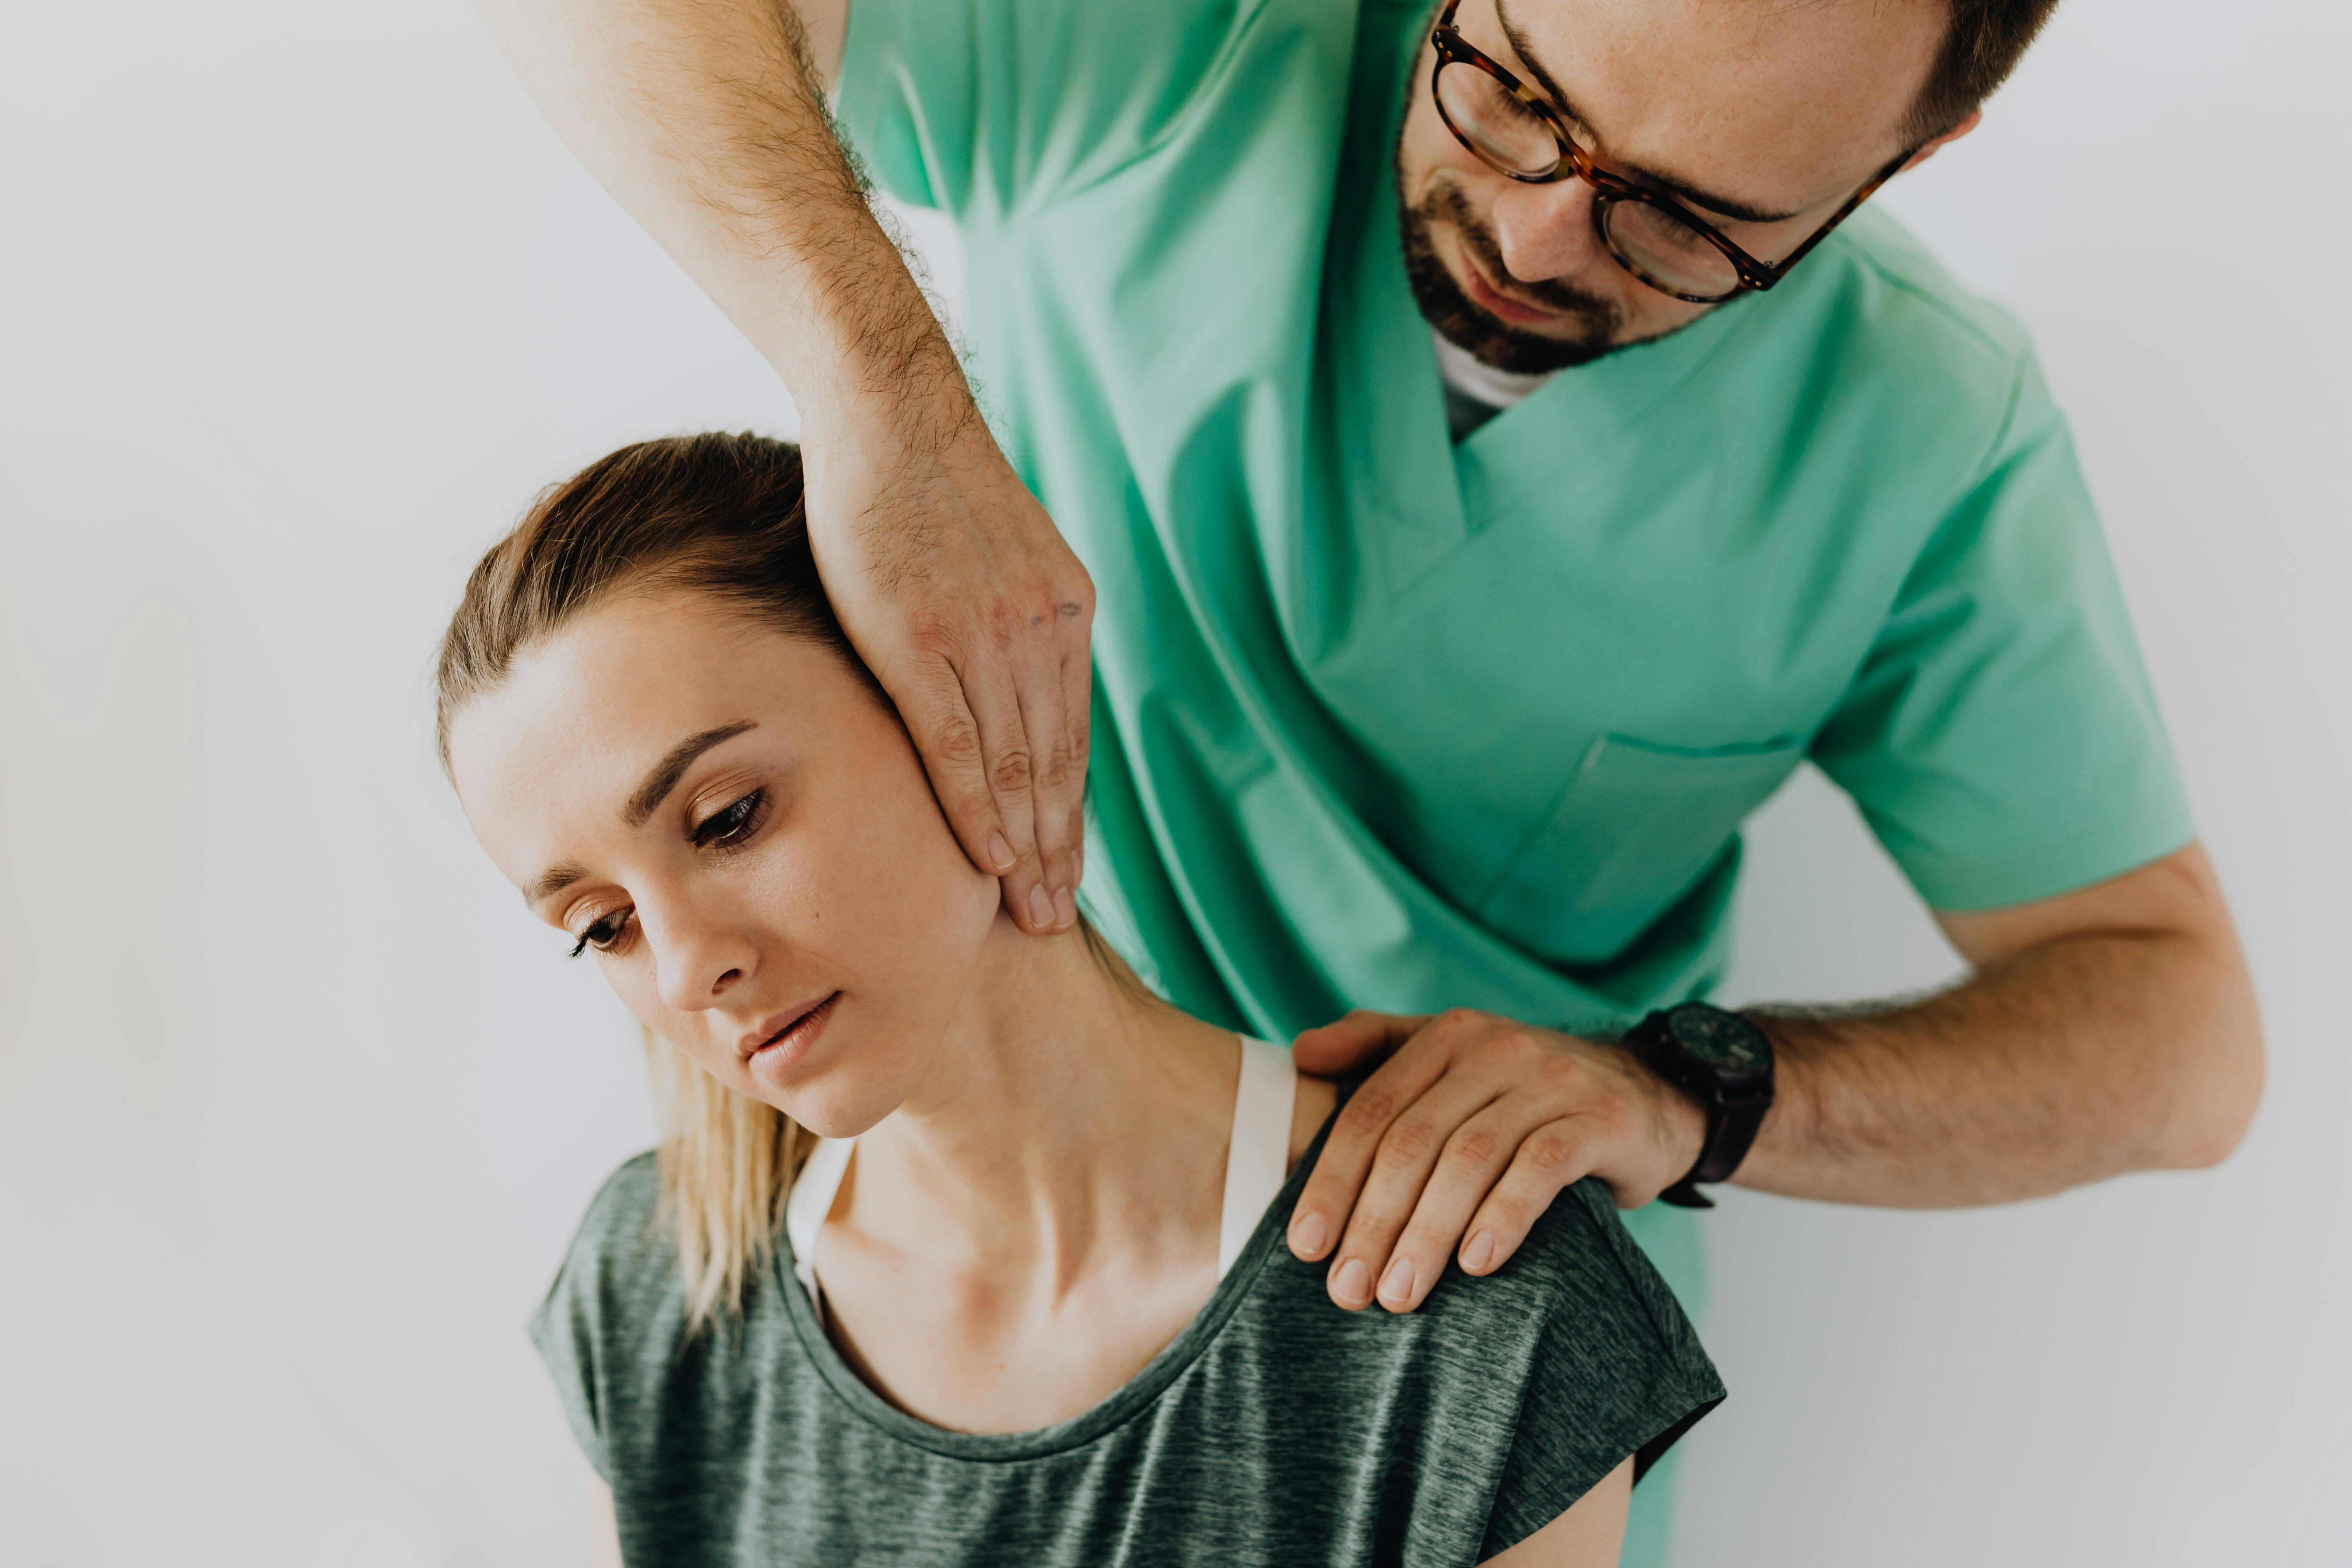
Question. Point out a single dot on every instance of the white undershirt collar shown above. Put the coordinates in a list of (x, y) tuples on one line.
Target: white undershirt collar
[(1473, 377)]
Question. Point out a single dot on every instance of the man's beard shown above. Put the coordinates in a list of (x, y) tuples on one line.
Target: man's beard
[(1466, 325)]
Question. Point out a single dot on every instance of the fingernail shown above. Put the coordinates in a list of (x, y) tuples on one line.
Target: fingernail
[(1308, 1236), (1354, 1281), (1065, 907), (1079, 864), (999, 852), (1479, 1253), (1396, 1284), (1041, 909)]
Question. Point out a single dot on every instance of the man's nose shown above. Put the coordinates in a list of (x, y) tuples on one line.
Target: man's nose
[(698, 956), (1545, 231)]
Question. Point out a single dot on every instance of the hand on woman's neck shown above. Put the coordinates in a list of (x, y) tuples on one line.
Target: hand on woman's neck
[(1069, 1121)]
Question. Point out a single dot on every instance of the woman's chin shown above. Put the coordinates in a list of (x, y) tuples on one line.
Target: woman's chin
[(829, 1095)]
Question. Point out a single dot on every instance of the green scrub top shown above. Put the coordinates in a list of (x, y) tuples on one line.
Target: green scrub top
[(1385, 722)]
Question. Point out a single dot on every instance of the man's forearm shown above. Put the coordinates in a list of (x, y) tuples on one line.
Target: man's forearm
[(703, 118), (2077, 1059)]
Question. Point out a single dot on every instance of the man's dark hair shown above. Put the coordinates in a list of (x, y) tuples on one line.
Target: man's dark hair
[(1981, 45)]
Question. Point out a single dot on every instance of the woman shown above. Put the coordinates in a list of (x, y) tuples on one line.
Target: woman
[(1028, 1301)]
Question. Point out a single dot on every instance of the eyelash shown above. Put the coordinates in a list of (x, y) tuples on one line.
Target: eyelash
[(729, 828)]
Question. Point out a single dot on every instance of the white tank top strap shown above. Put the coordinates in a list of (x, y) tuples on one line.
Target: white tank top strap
[(811, 1200), (1257, 1161)]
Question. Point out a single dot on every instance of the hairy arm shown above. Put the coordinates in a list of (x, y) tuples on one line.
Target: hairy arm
[(704, 120), (2110, 1029), (2113, 1029)]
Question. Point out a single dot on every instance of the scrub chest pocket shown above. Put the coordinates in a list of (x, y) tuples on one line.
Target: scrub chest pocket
[(1635, 829)]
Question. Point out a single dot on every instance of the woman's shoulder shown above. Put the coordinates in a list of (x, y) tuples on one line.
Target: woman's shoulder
[(1578, 1258), (615, 1309), (621, 1271), (622, 1236), (623, 1219)]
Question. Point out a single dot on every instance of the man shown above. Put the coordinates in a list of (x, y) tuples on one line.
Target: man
[(1437, 669)]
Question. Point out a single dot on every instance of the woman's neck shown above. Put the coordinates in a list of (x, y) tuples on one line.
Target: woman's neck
[(1072, 1123)]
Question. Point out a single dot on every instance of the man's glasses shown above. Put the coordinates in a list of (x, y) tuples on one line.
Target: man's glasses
[(1516, 132)]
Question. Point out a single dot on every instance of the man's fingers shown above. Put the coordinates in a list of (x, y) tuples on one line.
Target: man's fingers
[(1007, 774), (1077, 728), (1337, 1049), (1048, 731), (1473, 1157), (931, 700), (1330, 1192), (1551, 1158), (1400, 1171)]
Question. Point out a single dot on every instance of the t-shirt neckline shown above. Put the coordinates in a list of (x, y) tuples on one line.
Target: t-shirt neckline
[(1128, 1400)]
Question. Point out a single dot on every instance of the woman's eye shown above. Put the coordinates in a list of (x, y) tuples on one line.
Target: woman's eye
[(732, 825), (601, 933)]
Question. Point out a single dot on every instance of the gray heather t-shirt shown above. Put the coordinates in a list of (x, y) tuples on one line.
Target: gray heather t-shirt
[(1275, 1430)]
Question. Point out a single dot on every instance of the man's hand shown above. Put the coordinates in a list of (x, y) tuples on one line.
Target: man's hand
[(965, 601), (706, 118), (2108, 1029), (1465, 1136)]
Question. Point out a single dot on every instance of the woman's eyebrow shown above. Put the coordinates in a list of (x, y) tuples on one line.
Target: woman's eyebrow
[(1744, 212), (658, 783), (554, 879), (665, 775)]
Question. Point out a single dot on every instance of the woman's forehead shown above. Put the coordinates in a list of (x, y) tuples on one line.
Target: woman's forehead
[(559, 747)]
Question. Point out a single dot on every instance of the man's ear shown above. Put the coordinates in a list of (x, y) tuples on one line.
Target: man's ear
[(1974, 118)]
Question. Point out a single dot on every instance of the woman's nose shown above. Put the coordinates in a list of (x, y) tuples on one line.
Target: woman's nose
[(697, 960), (1545, 231)]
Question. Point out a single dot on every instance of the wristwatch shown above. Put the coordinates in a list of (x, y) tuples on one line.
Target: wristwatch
[(1725, 1063)]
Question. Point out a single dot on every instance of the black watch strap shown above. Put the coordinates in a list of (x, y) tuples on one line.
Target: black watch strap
[(1686, 1047)]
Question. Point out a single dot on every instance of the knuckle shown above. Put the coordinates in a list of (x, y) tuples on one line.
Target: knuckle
[(1007, 621), (935, 638), (1549, 1154), (1473, 1149), (1370, 1109), (1054, 777), (1412, 1138), (1558, 1074), (957, 739), (1009, 770)]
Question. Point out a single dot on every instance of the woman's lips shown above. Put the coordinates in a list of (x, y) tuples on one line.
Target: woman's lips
[(790, 1044)]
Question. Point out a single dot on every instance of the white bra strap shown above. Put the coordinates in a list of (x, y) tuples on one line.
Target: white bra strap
[(1257, 1161), (811, 1200)]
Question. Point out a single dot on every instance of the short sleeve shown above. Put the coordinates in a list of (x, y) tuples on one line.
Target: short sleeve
[(986, 107), (590, 1321), (1618, 1372), (2002, 738)]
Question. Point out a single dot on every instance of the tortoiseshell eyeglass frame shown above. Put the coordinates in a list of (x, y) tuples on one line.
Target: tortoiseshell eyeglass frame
[(1574, 162)]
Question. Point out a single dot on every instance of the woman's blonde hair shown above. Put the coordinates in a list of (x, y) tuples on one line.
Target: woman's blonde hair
[(714, 514), (727, 1163)]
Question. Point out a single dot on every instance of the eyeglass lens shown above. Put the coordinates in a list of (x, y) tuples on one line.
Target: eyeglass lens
[(1668, 251), (1500, 128), (1496, 121)]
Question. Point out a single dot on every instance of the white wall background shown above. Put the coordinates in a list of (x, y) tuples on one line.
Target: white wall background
[(298, 304)]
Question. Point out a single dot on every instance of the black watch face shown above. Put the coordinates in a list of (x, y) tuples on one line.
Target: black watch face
[(1725, 1041)]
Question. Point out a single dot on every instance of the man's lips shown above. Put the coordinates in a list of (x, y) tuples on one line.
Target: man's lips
[(1493, 300), (782, 1027)]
